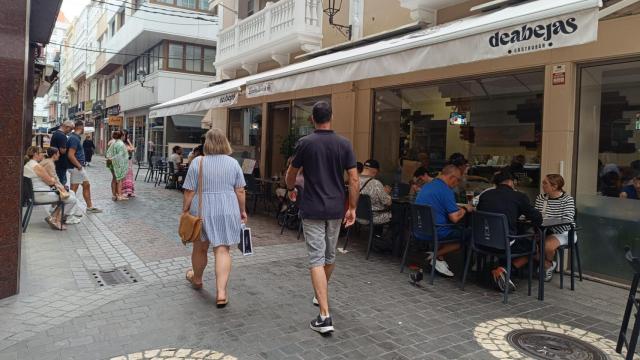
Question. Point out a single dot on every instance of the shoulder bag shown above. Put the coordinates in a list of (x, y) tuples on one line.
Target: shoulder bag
[(190, 226)]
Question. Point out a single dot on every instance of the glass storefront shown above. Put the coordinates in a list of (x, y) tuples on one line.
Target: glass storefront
[(245, 134), (608, 161), (289, 121), (495, 122)]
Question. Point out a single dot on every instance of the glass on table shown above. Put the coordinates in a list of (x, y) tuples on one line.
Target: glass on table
[(470, 195)]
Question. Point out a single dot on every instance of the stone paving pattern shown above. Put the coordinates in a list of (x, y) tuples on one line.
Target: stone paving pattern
[(61, 314)]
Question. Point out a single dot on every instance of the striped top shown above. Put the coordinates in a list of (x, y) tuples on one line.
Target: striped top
[(562, 207)]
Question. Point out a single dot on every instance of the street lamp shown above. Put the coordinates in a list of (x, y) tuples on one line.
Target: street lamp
[(142, 75), (334, 8)]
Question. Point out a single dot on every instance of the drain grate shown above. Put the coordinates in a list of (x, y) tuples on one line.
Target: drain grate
[(546, 345), (117, 276)]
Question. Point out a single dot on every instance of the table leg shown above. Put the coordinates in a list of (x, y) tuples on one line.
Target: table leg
[(543, 235)]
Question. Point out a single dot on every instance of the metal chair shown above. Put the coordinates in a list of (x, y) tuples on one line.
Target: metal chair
[(161, 172), (425, 229), (632, 302), (574, 250), (254, 190), (364, 212), (490, 236), (29, 201), (143, 166)]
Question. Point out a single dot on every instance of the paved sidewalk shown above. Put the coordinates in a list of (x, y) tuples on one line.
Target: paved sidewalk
[(62, 314)]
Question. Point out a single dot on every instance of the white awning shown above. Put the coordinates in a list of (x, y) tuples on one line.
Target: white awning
[(221, 95), (189, 121), (529, 27)]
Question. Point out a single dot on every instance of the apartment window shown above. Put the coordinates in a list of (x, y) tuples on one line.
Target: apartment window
[(112, 27), (203, 5), (121, 19), (193, 58), (209, 58), (188, 4), (170, 2), (121, 80), (176, 56), (113, 86), (251, 7), (130, 72)]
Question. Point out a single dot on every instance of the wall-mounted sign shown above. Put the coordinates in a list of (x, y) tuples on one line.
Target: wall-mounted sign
[(559, 74), (113, 110), (115, 121), (259, 89)]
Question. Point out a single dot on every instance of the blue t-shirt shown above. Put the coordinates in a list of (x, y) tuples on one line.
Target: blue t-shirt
[(439, 196), (75, 142), (631, 192), (59, 140), (324, 157)]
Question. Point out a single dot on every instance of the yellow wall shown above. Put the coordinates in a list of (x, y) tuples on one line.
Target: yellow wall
[(383, 15)]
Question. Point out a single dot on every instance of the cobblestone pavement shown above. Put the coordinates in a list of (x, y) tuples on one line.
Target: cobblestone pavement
[(61, 313)]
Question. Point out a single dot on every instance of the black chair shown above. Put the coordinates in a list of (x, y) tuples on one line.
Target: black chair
[(364, 212), (574, 250), (29, 201), (161, 171), (290, 218), (490, 236), (254, 191), (632, 302), (425, 230), (143, 166), (403, 189)]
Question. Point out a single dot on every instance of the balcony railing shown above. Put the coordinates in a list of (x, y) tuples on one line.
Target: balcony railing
[(270, 25)]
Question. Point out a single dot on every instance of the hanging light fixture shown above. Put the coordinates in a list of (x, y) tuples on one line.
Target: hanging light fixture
[(334, 8)]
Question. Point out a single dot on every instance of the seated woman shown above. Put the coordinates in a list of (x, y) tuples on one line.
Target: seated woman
[(42, 181), (555, 203), (197, 151)]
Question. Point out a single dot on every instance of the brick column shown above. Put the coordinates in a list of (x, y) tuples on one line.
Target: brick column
[(14, 120)]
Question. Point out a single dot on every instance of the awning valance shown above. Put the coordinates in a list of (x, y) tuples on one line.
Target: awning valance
[(221, 95), (528, 27)]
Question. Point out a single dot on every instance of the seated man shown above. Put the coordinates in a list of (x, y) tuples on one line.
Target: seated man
[(420, 178), (504, 199), (379, 194), (438, 194), (632, 191)]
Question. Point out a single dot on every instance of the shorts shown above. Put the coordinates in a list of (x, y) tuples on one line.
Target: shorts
[(78, 176), (321, 237), (563, 238)]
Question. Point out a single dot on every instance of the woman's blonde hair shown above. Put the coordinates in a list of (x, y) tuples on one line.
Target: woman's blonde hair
[(556, 180), (216, 143), (31, 152)]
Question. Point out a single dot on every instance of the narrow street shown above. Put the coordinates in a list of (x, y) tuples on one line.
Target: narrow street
[(61, 312)]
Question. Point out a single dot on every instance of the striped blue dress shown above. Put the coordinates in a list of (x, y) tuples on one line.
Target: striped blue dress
[(220, 211)]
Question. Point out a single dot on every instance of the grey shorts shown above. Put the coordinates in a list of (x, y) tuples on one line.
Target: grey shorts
[(78, 176), (321, 237)]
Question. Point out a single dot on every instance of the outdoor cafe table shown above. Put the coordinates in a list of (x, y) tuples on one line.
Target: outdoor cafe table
[(543, 228)]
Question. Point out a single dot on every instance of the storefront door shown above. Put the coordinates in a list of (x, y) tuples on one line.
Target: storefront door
[(281, 143)]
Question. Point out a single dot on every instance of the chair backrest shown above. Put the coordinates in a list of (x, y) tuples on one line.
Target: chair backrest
[(490, 230), (364, 210), (172, 168), (423, 222), (403, 189), (27, 190), (252, 183)]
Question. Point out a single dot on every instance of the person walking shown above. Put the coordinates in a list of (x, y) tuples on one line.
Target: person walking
[(222, 210), (325, 157), (128, 183), (59, 140), (89, 148), (118, 163), (75, 155)]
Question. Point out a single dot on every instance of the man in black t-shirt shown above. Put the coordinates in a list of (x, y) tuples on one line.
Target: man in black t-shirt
[(59, 140), (324, 157)]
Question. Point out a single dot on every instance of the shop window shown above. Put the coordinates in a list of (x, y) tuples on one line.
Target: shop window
[(608, 167), (245, 135), (495, 122)]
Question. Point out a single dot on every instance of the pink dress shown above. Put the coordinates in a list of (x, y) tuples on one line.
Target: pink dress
[(128, 184)]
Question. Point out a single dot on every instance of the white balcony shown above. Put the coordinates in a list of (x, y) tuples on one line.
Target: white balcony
[(144, 30), (273, 33)]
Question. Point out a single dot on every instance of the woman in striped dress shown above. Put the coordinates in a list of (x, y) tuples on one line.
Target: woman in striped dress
[(557, 204), (222, 212)]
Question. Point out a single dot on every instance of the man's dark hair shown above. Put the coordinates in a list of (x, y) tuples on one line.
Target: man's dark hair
[(79, 123), (457, 159), (322, 112), (175, 149), (502, 176), (421, 171)]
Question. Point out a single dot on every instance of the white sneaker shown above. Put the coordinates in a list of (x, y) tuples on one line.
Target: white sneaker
[(315, 301), (443, 268), (548, 274)]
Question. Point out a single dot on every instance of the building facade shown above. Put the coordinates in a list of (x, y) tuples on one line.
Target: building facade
[(433, 78)]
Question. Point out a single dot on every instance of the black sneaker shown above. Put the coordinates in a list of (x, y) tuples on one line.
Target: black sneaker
[(417, 276), (322, 326), (500, 280)]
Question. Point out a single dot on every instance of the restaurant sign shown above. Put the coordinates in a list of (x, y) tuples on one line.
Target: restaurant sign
[(113, 110), (260, 89)]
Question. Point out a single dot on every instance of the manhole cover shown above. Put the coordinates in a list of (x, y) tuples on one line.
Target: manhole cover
[(117, 276), (546, 345)]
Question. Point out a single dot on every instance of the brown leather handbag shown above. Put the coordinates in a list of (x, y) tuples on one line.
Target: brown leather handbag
[(190, 226)]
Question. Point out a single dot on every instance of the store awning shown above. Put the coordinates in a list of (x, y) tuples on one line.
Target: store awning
[(525, 28), (188, 121), (220, 95)]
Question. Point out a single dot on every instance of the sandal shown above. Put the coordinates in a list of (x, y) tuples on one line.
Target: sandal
[(221, 303), (53, 225), (189, 277)]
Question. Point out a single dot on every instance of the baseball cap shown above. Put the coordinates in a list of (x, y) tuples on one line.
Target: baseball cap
[(373, 164)]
